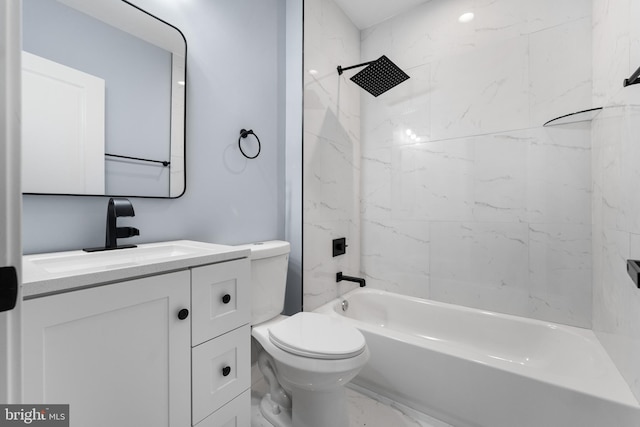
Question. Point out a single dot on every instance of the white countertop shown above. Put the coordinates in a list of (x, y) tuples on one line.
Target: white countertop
[(51, 273)]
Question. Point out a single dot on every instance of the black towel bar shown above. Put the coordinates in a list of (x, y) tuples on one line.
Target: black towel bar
[(163, 162)]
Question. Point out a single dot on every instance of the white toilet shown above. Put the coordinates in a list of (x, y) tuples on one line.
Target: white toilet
[(307, 358)]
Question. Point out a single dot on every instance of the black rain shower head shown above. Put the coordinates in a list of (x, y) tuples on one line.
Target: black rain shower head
[(378, 77)]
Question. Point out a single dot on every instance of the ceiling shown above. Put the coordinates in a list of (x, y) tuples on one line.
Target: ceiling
[(366, 13)]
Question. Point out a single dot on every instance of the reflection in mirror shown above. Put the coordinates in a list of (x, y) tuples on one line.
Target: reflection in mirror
[(103, 100)]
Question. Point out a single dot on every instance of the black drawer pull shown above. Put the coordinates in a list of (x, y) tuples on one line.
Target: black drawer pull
[(183, 314), (226, 371), (226, 298)]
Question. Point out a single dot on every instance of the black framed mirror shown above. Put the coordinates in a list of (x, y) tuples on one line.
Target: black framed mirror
[(104, 86)]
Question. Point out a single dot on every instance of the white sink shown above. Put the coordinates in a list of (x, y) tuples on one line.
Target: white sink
[(118, 258), (64, 271)]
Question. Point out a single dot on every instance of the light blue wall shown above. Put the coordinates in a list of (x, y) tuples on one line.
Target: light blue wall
[(235, 80)]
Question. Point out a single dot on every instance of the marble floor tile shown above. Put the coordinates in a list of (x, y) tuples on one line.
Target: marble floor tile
[(365, 409)]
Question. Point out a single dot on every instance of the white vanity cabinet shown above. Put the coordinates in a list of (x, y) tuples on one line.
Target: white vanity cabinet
[(118, 354), (124, 354)]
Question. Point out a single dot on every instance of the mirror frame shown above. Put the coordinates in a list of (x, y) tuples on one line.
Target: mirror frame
[(109, 12)]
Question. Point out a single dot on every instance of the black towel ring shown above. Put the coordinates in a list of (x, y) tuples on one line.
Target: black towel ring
[(243, 134)]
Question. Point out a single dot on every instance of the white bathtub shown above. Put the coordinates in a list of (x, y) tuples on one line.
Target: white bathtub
[(470, 367)]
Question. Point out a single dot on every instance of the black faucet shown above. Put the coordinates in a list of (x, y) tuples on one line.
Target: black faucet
[(340, 277), (117, 207)]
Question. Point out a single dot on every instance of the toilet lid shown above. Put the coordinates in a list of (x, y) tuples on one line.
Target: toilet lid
[(317, 336)]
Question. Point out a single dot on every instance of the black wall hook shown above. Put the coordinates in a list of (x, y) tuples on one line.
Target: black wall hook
[(243, 134)]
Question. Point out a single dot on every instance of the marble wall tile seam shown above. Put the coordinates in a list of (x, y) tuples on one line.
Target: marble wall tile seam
[(618, 98), (546, 238), (395, 230), (561, 24), (367, 150), (452, 138)]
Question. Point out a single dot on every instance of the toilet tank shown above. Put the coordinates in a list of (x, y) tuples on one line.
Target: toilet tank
[(269, 262)]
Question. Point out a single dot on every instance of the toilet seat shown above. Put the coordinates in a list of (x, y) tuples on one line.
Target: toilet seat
[(317, 336)]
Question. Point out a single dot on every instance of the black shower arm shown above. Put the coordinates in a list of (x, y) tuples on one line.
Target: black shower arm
[(633, 79), (340, 69)]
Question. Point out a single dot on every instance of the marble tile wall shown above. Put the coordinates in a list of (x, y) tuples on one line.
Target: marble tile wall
[(465, 197), (616, 172), (331, 152), (482, 206)]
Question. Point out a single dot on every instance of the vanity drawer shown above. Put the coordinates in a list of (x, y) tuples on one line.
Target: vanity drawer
[(220, 299), (221, 370), (236, 413)]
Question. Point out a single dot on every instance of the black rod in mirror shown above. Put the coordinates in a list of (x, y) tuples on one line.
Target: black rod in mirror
[(163, 162)]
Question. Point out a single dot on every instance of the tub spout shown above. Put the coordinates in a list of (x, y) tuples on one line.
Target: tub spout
[(340, 277)]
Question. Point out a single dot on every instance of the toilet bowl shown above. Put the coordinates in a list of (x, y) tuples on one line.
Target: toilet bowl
[(313, 357), (306, 359)]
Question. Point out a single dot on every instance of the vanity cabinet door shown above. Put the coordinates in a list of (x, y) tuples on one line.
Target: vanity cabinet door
[(118, 354)]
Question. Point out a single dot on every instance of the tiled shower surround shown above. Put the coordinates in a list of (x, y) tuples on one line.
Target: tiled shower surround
[(449, 187), (464, 196)]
